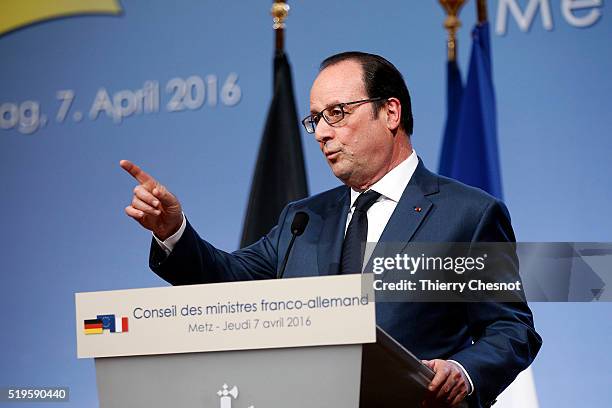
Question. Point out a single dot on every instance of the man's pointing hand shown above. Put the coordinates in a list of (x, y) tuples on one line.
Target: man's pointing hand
[(153, 206)]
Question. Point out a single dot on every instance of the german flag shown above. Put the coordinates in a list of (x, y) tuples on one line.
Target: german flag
[(93, 326)]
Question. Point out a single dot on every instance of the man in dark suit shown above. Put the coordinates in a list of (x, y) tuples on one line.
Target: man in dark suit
[(361, 117)]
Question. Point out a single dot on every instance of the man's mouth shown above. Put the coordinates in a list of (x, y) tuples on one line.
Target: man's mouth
[(332, 154)]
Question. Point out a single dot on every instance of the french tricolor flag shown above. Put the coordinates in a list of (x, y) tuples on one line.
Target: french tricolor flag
[(122, 326)]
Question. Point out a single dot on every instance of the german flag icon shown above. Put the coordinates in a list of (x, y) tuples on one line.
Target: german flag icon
[(93, 326)]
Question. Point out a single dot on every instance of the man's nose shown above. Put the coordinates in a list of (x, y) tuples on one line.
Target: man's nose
[(323, 131)]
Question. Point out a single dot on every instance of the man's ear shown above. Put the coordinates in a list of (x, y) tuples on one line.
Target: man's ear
[(393, 109)]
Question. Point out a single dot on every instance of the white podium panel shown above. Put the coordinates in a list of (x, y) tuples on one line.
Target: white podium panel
[(250, 315)]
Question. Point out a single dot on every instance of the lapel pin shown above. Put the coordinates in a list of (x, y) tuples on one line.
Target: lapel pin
[(417, 209)]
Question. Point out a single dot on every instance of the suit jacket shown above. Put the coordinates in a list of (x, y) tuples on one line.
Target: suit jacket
[(493, 341)]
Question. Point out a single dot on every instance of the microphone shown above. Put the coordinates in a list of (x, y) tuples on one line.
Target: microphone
[(300, 221)]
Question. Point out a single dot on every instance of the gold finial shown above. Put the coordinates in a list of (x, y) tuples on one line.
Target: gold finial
[(279, 11), (452, 24)]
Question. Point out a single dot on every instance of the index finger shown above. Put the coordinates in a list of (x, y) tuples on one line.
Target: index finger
[(142, 176)]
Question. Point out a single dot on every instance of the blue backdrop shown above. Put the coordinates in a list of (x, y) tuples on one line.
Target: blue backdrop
[(78, 94)]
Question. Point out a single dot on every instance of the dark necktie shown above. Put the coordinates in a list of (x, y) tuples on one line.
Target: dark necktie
[(357, 234)]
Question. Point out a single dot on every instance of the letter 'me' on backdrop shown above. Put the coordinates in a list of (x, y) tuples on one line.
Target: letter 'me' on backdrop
[(183, 90)]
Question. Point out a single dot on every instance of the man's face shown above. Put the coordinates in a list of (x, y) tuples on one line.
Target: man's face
[(359, 148)]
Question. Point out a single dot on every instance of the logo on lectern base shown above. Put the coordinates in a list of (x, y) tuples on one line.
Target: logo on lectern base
[(225, 396)]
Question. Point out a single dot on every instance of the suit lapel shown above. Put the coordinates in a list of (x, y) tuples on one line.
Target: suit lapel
[(412, 209), (329, 247)]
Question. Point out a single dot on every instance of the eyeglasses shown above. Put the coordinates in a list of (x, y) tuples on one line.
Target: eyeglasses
[(332, 114)]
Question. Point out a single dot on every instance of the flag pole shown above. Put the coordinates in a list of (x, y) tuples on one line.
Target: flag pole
[(279, 11), (280, 172), (481, 8), (454, 88), (452, 24)]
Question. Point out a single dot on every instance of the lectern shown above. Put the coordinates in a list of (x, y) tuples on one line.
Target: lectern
[(304, 342)]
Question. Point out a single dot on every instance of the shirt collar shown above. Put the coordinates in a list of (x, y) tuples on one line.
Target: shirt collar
[(392, 184)]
